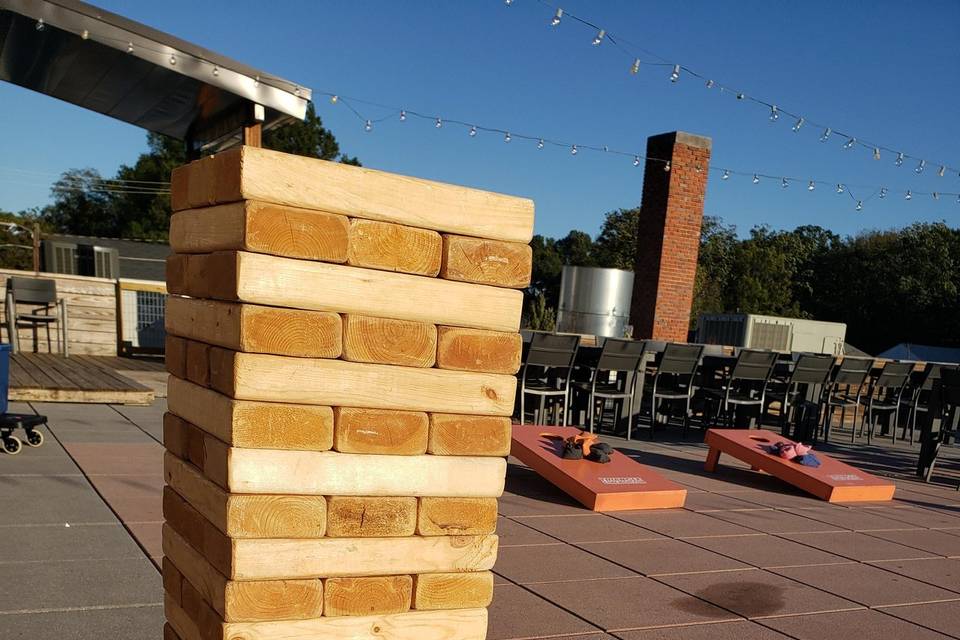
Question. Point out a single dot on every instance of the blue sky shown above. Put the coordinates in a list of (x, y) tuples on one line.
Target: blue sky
[(886, 71)]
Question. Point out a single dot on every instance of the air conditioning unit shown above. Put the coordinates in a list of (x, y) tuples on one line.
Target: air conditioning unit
[(771, 332)]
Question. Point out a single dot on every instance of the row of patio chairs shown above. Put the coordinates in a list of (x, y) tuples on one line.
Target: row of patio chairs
[(809, 393)]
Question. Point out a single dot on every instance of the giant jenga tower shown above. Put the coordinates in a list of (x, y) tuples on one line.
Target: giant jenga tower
[(342, 346)]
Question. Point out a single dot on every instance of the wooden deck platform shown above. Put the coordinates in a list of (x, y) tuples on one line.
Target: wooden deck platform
[(45, 377)]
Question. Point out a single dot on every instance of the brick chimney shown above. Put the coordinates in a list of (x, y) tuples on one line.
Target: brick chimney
[(668, 235)]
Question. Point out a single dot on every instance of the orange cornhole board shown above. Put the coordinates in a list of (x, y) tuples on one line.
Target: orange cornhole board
[(618, 485), (832, 481)]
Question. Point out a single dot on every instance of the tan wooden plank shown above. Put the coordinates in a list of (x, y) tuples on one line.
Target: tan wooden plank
[(261, 227), (388, 341), (82, 396), (478, 350), (380, 431), (194, 568), (176, 272), (208, 622), (300, 284), (171, 578), (394, 247), (494, 262), (179, 620), (366, 517), (375, 595), (347, 474), (249, 424), (197, 531), (175, 436), (169, 633), (456, 516), (465, 435), (254, 376), (255, 328), (452, 590), (458, 624), (241, 516), (198, 363), (264, 559), (250, 173), (176, 356)]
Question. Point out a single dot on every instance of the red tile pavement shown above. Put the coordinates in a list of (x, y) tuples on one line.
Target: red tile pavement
[(862, 625)]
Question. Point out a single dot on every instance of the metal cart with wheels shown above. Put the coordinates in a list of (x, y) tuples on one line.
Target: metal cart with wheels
[(10, 422)]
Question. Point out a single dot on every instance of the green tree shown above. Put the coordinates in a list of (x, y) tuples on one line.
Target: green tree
[(577, 249), (616, 246), (714, 267), (81, 204)]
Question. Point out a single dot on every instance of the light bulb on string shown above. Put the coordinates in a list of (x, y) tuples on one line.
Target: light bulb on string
[(774, 113), (216, 70), (508, 2), (368, 126), (40, 24), (859, 205), (667, 166), (958, 199), (936, 195), (811, 186), (941, 171), (438, 123), (173, 60), (129, 47), (876, 153), (506, 137), (920, 166), (573, 150), (756, 179), (883, 192), (635, 67), (473, 132), (556, 18), (597, 39), (296, 90), (256, 83), (85, 35), (333, 99), (675, 74), (540, 143), (710, 84), (909, 195), (899, 160), (740, 96), (840, 187), (726, 174), (826, 134), (849, 143), (403, 115), (784, 183), (799, 123), (636, 161)]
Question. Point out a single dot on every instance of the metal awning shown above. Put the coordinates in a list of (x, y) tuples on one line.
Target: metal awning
[(106, 63)]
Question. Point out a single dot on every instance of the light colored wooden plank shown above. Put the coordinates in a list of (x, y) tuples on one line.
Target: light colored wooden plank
[(179, 620), (478, 350), (262, 228), (255, 328), (465, 435), (494, 262), (193, 567), (132, 397), (380, 431), (171, 578), (169, 633), (197, 531), (264, 559), (458, 624), (174, 434), (348, 474), (376, 595), (255, 425), (250, 173), (452, 590), (370, 517), (242, 516), (394, 247), (175, 356), (176, 273), (208, 622), (198, 363), (254, 376), (300, 284), (456, 516), (387, 341)]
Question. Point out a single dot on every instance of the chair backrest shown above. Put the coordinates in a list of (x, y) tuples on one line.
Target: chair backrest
[(754, 365), (32, 290), (812, 368), (552, 350), (620, 355), (950, 386), (680, 359), (655, 346), (852, 371), (932, 373), (894, 375)]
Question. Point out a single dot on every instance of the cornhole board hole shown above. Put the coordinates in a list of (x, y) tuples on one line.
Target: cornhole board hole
[(619, 485), (832, 481)]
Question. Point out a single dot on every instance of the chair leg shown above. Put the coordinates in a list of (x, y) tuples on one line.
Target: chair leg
[(541, 419), (630, 418), (523, 397), (593, 410)]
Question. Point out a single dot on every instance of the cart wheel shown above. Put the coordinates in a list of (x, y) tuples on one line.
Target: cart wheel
[(12, 445), (34, 438)]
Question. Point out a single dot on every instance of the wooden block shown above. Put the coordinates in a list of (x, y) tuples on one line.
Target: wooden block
[(502, 264), (208, 622), (388, 341), (206, 453), (261, 227), (171, 577), (247, 516), (456, 516), (174, 436), (383, 431), (464, 435), (264, 559), (179, 620), (254, 376), (478, 350), (367, 596), (348, 474), (394, 247), (300, 284), (254, 425), (169, 633), (176, 273), (254, 328), (242, 601), (452, 590), (366, 517), (198, 363), (250, 173), (175, 355), (199, 532)]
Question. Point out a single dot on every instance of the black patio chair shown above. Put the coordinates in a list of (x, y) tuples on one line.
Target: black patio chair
[(846, 389), (919, 400), (41, 295), (944, 409), (547, 371), (885, 396), (810, 373), (615, 377), (674, 381), (746, 386)]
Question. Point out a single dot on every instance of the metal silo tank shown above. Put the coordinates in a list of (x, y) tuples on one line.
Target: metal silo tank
[(595, 301)]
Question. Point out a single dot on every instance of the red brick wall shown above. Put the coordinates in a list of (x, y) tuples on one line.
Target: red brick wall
[(668, 236)]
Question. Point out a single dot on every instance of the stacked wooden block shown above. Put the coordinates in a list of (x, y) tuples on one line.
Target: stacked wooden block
[(342, 344)]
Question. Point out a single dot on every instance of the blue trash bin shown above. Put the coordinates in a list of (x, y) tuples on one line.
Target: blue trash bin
[(4, 376)]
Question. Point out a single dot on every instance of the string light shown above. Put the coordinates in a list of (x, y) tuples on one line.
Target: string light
[(438, 123), (85, 35), (709, 84), (636, 161), (920, 166), (473, 130), (173, 60), (876, 153), (936, 195), (597, 39), (333, 99), (403, 115), (811, 186), (883, 192), (941, 171), (556, 18), (826, 134), (899, 161), (675, 74), (784, 183), (506, 137), (256, 83), (796, 127), (859, 205), (40, 24), (216, 70), (368, 126), (573, 150), (774, 113), (740, 96), (726, 174), (508, 2), (129, 47), (839, 187), (849, 143), (909, 195), (756, 179), (540, 143), (635, 67)]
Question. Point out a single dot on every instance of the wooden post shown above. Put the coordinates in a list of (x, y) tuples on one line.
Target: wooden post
[(36, 248), (253, 135)]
